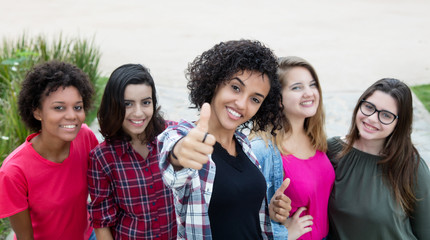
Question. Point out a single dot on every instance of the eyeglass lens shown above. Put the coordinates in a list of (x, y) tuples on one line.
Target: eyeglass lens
[(384, 117)]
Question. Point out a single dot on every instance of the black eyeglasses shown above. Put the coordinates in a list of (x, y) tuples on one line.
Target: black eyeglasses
[(385, 117)]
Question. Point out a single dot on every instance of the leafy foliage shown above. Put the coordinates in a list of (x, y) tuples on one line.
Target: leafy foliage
[(17, 58)]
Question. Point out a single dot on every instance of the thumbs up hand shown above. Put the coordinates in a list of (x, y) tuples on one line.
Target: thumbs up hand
[(192, 151), (280, 204)]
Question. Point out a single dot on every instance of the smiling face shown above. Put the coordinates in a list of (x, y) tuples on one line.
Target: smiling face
[(300, 95), (138, 109), (369, 127), (238, 100), (61, 114)]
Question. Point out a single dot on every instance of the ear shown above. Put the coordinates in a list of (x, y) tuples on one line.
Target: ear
[(37, 114)]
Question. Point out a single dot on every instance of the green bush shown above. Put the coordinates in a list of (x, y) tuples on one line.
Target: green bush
[(4, 228), (18, 57), (423, 93)]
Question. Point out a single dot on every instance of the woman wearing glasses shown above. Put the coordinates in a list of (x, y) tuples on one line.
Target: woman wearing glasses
[(382, 186)]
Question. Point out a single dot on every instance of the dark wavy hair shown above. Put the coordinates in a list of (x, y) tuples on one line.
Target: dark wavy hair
[(112, 108), (218, 65), (400, 159), (46, 78)]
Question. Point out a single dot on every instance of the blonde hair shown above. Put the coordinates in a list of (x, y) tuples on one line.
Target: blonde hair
[(314, 126)]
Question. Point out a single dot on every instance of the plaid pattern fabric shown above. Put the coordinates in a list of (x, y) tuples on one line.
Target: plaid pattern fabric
[(192, 189), (128, 193)]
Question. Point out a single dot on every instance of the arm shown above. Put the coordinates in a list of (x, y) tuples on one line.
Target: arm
[(192, 151), (182, 152), (103, 233), (297, 226), (102, 208), (420, 219), (21, 225)]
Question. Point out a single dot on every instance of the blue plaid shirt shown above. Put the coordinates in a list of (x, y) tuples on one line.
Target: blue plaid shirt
[(192, 189)]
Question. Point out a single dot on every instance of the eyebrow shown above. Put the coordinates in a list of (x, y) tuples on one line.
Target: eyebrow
[(140, 100), (62, 102), (243, 84)]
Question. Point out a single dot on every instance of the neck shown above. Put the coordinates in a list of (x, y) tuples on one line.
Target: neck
[(225, 139), (373, 147), (297, 128), (140, 148), (54, 151)]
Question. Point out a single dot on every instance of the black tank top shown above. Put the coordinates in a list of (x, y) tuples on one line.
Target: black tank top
[(238, 192)]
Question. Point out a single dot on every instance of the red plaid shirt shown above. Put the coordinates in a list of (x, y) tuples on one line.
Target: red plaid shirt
[(128, 194)]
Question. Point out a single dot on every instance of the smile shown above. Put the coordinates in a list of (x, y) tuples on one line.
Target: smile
[(307, 103), (369, 127), (68, 126), (137, 122), (234, 113)]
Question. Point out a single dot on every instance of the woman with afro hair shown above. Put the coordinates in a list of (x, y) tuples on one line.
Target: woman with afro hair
[(217, 183), (44, 181)]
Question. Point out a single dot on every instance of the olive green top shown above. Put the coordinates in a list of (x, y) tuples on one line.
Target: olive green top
[(362, 206)]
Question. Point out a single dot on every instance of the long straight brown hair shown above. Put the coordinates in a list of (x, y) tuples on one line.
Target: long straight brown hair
[(400, 159)]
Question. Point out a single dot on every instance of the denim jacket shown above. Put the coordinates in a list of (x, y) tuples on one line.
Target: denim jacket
[(270, 161)]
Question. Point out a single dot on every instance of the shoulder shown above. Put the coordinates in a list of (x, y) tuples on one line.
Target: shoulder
[(423, 173), (258, 144), (334, 145), (115, 147), (19, 156), (86, 137)]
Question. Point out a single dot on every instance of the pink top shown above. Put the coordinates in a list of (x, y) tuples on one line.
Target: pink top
[(311, 183), (55, 193)]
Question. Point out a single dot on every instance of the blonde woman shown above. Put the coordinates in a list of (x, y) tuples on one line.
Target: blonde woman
[(298, 152)]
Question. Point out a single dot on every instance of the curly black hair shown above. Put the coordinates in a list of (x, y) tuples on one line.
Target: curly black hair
[(218, 65), (46, 78)]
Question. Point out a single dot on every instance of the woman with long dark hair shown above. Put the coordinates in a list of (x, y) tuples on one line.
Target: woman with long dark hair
[(381, 189)]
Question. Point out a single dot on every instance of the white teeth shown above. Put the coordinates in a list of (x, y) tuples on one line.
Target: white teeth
[(370, 127), (137, 122), (307, 103), (68, 126), (234, 113)]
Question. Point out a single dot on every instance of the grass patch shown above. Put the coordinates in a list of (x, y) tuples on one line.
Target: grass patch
[(423, 94)]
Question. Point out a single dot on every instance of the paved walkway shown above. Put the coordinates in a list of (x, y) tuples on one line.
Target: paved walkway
[(351, 45)]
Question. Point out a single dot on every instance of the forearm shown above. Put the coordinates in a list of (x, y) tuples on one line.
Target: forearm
[(21, 225), (103, 233)]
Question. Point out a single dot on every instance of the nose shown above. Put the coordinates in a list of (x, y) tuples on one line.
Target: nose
[(138, 111), (241, 102), (374, 117), (307, 92), (71, 114)]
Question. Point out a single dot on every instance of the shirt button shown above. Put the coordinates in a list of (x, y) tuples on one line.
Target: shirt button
[(150, 186), (146, 169), (156, 219), (153, 204)]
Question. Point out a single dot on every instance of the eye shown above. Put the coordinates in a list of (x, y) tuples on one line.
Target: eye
[(147, 102), (313, 85), (59, 108), (128, 104), (369, 106), (296, 88), (386, 115), (256, 100), (235, 88), (79, 108)]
